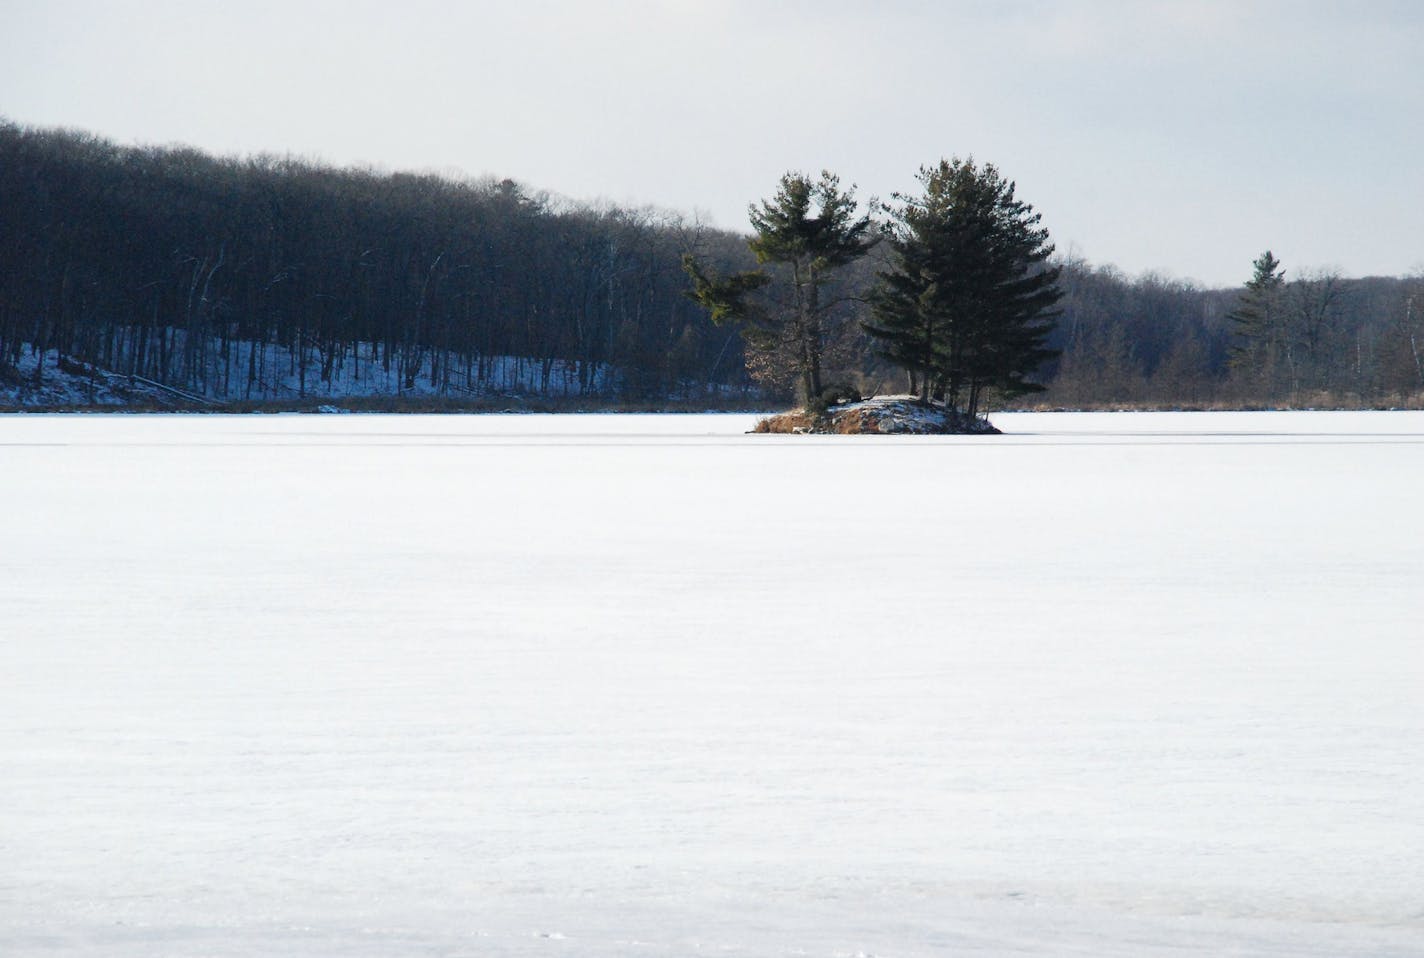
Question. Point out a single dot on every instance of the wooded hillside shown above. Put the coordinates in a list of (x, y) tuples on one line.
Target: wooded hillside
[(160, 262)]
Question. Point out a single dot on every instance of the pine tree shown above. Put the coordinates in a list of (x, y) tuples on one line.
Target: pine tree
[(803, 235), (1258, 321), (907, 326), (968, 302)]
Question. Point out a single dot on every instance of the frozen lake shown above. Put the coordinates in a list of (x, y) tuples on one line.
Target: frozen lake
[(1119, 685)]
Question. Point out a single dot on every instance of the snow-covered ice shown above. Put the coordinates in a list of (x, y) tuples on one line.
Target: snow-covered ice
[(1109, 685)]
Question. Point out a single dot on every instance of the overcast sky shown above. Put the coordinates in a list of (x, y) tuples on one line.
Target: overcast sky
[(1184, 137)]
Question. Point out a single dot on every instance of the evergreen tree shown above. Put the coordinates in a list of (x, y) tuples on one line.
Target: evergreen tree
[(803, 236), (968, 302), (1258, 321), (908, 323)]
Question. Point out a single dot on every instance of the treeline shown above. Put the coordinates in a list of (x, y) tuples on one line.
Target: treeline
[(169, 264), (267, 278), (1156, 341)]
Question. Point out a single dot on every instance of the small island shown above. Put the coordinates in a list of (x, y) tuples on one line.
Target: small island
[(879, 416), (963, 299)]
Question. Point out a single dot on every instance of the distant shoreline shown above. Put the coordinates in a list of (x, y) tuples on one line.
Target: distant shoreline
[(554, 406)]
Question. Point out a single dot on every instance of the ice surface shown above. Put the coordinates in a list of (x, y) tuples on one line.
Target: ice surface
[(1107, 685)]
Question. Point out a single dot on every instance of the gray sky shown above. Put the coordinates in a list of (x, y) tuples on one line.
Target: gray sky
[(1184, 137)]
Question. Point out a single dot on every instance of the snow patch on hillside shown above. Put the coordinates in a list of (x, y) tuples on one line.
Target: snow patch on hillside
[(51, 381), (265, 372)]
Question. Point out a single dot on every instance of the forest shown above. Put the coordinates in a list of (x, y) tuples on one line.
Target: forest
[(271, 279), (166, 263)]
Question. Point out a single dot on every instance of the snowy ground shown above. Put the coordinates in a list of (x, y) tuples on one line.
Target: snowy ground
[(356, 373), (1120, 685)]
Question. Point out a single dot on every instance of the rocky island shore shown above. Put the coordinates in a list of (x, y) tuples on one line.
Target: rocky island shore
[(882, 416)]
